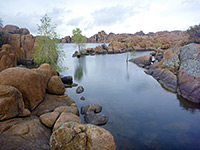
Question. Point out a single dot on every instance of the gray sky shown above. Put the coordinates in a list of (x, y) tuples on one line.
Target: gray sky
[(91, 16)]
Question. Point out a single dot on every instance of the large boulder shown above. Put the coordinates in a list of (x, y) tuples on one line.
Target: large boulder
[(49, 119), (74, 136), (66, 117), (142, 61), (27, 43), (164, 76), (189, 72), (28, 82), (11, 29), (47, 67), (24, 133), (6, 61), (55, 86), (11, 102)]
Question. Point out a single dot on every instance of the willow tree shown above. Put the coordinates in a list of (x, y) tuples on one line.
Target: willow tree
[(79, 39), (47, 49)]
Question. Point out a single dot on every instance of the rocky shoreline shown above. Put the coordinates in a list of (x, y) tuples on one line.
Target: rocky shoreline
[(36, 114), (177, 69)]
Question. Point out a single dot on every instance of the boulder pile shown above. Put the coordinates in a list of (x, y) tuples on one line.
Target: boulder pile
[(177, 69), (34, 111)]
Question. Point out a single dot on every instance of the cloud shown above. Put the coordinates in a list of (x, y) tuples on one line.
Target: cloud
[(112, 15), (75, 21)]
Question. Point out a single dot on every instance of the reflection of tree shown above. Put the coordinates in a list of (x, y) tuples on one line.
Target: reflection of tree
[(80, 68), (187, 105), (78, 73)]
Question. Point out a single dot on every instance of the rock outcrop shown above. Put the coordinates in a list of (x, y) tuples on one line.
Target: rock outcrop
[(11, 100), (20, 128), (18, 49), (178, 70), (74, 136), (142, 61), (24, 133)]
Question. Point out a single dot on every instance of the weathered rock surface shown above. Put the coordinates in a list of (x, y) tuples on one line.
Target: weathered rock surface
[(51, 102), (66, 117), (21, 46), (142, 61), (11, 102), (67, 109), (28, 82), (47, 67), (49, 119), (24, 133), (74, 136), (55, 86), (189, 72)]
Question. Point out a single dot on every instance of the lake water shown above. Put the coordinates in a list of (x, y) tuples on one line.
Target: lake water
[(142, 115)]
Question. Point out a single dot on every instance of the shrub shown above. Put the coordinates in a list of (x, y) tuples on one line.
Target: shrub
[(194, 33)]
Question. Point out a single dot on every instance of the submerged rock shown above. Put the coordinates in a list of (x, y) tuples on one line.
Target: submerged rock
[(90, 115)]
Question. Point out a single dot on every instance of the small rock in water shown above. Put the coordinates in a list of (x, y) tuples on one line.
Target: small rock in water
[(71, 85), (79, 90), (67, 80), (90, 115), (82, 98)]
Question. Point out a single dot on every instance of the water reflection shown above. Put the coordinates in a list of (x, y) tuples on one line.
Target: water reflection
[(80, 68), (187, 105)]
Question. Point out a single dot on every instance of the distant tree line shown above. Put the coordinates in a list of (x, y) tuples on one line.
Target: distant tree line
[(194, 33), (1, 33)]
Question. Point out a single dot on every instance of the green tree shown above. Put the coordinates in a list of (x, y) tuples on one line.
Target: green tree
[(1, 22), (79, 39), (47, 50)]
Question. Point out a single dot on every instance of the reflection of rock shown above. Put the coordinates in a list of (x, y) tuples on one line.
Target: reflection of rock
[(79, 90), (90, 114), (187, 104), (72, 135)]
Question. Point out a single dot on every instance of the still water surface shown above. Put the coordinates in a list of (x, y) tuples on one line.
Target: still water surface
[(142, 115)]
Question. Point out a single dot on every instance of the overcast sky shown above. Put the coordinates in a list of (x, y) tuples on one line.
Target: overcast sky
[(91, 16)]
